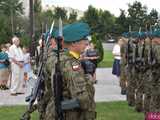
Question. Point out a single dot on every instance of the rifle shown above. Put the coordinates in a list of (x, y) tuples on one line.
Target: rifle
[(128, 54), (38, 89), (57, 77)]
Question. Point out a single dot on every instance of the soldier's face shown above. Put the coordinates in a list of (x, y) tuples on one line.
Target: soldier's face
[(81, 45)]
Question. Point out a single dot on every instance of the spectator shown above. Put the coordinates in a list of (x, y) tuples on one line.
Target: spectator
[(117, 57), (27, 63), (4, 63), (38, 55), (17, 62), (10, 75), (89, 58)]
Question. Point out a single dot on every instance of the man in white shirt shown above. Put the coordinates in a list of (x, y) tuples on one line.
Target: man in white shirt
[(17, 61)]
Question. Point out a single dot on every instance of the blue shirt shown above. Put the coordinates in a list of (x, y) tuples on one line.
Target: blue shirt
[(3, 56)]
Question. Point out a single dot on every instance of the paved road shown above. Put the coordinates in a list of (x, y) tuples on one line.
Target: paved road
[(108, 46), (107, 89)]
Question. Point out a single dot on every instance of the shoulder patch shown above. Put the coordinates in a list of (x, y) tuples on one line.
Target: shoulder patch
[(76, 66)]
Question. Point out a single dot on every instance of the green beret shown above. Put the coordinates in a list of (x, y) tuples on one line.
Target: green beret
[(75, 32)]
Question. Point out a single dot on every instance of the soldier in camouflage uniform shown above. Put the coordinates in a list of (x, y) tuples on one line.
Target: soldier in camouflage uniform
[(140, 70), (146, 76), (131, 86), (123, 75), (155, 75), (76, 84)]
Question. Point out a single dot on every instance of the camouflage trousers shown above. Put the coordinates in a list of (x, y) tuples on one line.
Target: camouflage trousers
[(139, 91), (131, 86), (155, 91), (155, 99), (147, 90), (123, 81)]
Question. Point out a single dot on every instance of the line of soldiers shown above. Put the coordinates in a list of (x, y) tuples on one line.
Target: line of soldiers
[(140, 70)]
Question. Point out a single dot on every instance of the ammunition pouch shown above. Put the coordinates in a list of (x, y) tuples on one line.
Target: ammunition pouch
[(88, 66), (70, 104)]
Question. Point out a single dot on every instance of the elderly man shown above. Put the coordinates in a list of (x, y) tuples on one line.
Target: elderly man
[(17, 59)]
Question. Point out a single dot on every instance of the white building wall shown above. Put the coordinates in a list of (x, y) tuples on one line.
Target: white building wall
[(26, 7)]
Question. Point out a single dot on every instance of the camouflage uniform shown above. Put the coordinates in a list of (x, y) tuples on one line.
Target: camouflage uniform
[(131, 78), (155, 86), (147, 77), (123, 77), (75, 85), (139, 79)]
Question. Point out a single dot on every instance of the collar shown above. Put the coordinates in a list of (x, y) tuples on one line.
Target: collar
[(74, 54)]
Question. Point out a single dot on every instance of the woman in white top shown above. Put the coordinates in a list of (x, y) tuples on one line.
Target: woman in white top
[(117, 57), (27, 65)]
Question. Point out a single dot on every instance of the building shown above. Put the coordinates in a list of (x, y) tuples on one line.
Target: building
[(26, 7), (68, 9)]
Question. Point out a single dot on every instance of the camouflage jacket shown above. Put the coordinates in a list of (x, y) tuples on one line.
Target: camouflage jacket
[(75, 85)]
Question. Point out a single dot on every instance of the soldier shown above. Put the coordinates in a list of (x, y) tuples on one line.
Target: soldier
[(76, 84), (139, 75), (155, 75), (147, 77), (131, 84), (123, 75)]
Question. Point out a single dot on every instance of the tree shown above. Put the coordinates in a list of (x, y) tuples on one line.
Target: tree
[(37, 6), (91, 17), (106, 20), (98, 45), (137, 15), (121, 23), (11, 8), (5, 31), (60, 12), (72, 17), (153, 17), (47, 18)]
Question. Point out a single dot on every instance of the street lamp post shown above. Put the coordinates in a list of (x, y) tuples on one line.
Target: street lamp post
[(32, 32)]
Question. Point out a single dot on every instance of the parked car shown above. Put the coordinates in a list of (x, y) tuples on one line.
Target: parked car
[(111, 41)]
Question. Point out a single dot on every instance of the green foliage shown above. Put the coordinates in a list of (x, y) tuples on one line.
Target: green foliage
[(137, 15), (72, 17), (152, 17), (98, 45), (37, 6), (11, 6), (101, 22), (11, 9), (60, 12), (25, 40), (121, 24), (5, 31), (91, 17), (107, 61)]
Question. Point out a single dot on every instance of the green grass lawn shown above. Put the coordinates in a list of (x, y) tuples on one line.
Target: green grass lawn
[(105, 111), (107, 60)]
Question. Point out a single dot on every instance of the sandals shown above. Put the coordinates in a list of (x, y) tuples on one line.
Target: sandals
[(3, 87)]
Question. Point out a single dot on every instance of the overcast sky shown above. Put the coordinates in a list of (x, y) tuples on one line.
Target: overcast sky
[(112, 5)]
